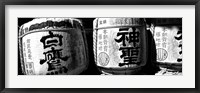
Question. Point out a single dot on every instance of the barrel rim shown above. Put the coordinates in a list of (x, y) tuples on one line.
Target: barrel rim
[(121, 26), (26, 26), (141, 22), (45, 30), (119, 69)]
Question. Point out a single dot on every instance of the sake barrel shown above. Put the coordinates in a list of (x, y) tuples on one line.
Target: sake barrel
[(53, 46), (168, 38), (120, 45)]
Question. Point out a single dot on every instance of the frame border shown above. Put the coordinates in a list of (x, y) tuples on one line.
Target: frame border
[(3, 3)]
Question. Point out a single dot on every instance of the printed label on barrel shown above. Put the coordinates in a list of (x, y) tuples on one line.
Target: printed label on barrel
[(53, 52), (118, 47), (168, 41)]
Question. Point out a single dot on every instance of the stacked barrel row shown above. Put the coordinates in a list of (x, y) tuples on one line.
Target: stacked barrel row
[(58, 46)]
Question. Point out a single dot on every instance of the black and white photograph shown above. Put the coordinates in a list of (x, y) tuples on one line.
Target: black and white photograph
[(99, 46)]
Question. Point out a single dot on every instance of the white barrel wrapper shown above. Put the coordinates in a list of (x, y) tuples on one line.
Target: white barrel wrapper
[(167, 33), (52, 50), (167, 46), (111, 52)]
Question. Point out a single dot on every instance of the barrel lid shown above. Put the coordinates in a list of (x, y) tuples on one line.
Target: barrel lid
[(99, 23), (50, 24)]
